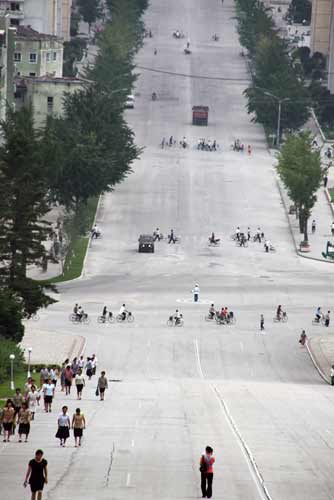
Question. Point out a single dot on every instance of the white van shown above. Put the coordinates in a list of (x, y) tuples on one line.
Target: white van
[(130, 101)]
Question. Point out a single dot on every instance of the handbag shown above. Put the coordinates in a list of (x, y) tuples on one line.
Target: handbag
[(203, 465), (97, 392)]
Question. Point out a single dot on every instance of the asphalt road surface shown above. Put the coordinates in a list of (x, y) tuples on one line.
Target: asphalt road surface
[(255, 398)]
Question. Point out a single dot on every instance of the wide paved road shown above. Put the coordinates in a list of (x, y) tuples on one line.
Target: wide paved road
[(178, 390)]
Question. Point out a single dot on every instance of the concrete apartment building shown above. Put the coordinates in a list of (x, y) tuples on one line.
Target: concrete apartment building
[(6, 66), (37, 54), (52, 17)]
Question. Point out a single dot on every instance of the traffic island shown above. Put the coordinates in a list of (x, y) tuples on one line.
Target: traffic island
[(321, 351)]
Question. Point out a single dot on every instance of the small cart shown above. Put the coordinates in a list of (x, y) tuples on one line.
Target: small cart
[(200, 115)]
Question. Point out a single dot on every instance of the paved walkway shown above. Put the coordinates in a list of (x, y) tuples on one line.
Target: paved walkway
[(51, 347), (321, 350)]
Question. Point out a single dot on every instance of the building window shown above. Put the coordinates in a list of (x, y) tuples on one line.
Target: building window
[(48, 57), (33, 57), (14, 6), (32, 74), (15, 22), (54, 56), (17, 56), (50, 104)]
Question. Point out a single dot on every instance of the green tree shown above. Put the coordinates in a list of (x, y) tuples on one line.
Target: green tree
[(11, 316), (8, 347), (274, 74), (254, 22), (23, 205), (299, 168), (90, 10)]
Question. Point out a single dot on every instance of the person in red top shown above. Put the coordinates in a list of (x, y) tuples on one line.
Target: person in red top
[(206, 468)]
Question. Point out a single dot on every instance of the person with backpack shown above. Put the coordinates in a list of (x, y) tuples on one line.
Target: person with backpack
[(206, 467)]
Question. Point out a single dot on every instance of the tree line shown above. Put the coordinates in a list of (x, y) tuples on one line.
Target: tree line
[(82, 154)]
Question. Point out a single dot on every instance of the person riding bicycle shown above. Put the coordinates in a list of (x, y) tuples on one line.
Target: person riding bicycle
[(318, 314), (177, 317), (104, 313), (303, 338), (242, 241), (237, 233), (81, 313), (123, 312), (213, 240), (279, 313), (212, 311), (75, 309)]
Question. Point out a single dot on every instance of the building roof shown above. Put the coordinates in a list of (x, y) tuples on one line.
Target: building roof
[(22, 81), (31, 34)]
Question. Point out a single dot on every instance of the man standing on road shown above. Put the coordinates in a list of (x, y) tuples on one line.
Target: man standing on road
[(196, 292), (327, 318), (171, 237), (332, 228), (261, 323)]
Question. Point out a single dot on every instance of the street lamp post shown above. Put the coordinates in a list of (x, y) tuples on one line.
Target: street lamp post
[(29, 356), (12, 357), (279, 101)]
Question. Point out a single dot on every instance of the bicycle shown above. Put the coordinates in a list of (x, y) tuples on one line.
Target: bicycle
[(281, 319), (320, 321), (109, 318), (172, 321), (77, 318), (128, 317)]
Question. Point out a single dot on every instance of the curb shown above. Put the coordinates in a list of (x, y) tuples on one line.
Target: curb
[(298, 252), (86, 256), (321, 373)]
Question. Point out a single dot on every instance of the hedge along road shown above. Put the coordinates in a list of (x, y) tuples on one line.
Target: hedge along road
[(146, 439)]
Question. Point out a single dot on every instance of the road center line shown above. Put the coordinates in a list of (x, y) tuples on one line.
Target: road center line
[(128, 479), (252, 465)]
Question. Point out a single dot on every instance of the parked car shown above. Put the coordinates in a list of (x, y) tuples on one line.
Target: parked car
[(146, 243), (130, 102)]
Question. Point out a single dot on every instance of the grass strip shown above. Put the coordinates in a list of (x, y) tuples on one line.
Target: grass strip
[(20, 378)]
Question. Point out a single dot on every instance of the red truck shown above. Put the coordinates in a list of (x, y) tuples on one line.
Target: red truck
[(200, 115)]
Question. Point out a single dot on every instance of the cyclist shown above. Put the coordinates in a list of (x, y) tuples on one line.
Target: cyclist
[(318, 314), (237, 233), (213, 240), (279, 313), (123, 312), (177, 317), (212, 311), (242, 242), (104, 313), (248, 234)]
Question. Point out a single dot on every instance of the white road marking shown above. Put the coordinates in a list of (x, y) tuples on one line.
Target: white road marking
[(241, 346), (133, 443), (199, 366), (252, 465), (128, 479)]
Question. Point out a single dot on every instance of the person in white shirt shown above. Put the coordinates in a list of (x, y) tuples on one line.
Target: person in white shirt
[(196, 292), (48, 391), (123, 311)]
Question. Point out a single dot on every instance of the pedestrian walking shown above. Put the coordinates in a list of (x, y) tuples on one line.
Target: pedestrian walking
[(78, 425), (102, 385), (89, 368), (68, 374), (81, 362), (332, 375), (248, 234), (64, 426), (37, 475), (206, 467), (261, 322), (44, 375), (94, 363), (32, 400), (171, 237), (75, 366), (249, 149), (8, 420), (27, 385), (332, 228), (314, 226), (79, 383), (23, 420), (195, 292), (17, 400), (325, 181), (53, 375), (327, 318), (48, 392), (303, 337)]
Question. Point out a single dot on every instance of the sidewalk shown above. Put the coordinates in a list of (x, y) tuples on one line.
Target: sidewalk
[(321, 350), (51, 347)]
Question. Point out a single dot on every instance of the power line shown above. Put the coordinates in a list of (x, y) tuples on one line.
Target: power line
[(199, 77)]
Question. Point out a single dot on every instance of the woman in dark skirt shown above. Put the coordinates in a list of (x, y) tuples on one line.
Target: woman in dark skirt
[(64, 425), (23, 419), (37, 475)]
